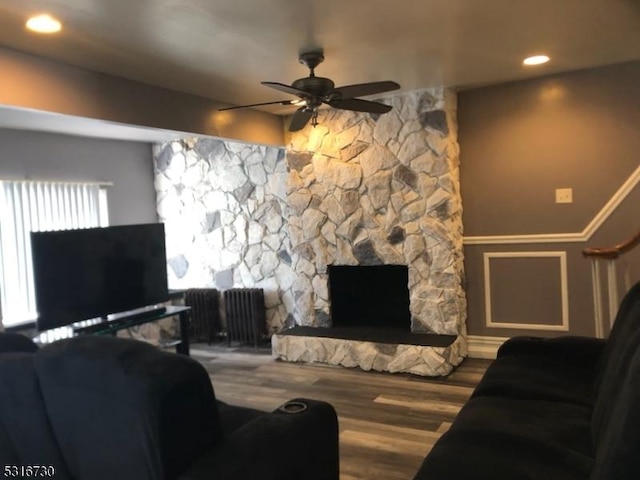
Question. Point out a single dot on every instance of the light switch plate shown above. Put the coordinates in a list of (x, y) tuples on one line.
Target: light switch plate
[(564, 195)]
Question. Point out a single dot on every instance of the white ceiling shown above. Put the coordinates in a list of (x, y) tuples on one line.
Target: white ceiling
[(222, 49)]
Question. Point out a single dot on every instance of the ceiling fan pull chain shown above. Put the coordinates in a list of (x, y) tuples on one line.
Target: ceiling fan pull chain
[(314, 119)]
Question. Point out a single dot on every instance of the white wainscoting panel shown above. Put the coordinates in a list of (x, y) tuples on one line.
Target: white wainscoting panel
[(562, 258)]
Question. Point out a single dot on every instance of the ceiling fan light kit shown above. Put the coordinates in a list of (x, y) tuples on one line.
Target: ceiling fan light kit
[(313, 92)]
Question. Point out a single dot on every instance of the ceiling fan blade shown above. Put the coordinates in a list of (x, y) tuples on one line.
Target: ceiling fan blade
[(300, 119), (358, 105), (285, 88), (364, 89), (282, 102)]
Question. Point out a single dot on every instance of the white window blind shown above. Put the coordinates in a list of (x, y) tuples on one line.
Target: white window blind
[(27, 206)]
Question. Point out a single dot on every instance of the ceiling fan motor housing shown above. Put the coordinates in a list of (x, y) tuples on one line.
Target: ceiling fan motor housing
[(314, 86)]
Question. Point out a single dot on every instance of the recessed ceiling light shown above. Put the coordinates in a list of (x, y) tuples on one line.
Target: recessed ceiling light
[(44, 24), (535, 60)]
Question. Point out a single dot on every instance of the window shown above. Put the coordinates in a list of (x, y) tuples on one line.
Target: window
[(27, 206)]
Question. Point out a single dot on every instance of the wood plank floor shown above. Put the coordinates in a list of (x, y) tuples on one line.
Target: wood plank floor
[(388, 422)]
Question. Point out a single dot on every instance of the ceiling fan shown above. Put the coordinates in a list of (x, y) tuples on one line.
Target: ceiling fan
[(314, 91)]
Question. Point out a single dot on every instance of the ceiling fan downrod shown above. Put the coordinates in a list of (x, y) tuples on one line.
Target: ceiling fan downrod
[(311, 60)]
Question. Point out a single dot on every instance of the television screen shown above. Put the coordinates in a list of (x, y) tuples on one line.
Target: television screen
[(88, 273)]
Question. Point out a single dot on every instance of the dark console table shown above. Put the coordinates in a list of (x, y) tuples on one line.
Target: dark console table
[(124, 321)]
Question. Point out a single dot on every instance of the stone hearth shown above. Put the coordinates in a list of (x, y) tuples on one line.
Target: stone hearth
[(425, 360)]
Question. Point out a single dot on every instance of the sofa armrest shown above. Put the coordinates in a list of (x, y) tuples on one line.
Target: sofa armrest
[(570, 349), (302, 445)]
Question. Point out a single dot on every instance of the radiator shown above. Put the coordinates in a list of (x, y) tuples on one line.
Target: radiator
[(205, 316), (245, 312)]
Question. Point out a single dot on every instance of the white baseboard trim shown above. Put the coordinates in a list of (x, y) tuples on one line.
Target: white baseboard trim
[(484, 347)]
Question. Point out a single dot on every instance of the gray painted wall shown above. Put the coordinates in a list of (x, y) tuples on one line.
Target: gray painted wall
[(519, 142), (46, 156), (36, 83)]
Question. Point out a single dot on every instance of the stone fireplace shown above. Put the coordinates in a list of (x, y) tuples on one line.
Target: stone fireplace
[(367, 190), (358, 190)]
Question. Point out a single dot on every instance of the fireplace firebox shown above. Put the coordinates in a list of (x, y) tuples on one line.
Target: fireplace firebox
[(369, 296)]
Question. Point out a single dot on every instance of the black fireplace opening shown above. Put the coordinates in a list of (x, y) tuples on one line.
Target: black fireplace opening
[(370, 296)]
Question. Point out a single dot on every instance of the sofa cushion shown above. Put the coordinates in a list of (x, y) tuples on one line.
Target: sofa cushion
[(110, 398), (480, 454), (26, 430), (532, 376), (563, 425), (508, 438)]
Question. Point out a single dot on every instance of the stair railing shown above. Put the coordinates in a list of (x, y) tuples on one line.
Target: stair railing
[(609, 257)]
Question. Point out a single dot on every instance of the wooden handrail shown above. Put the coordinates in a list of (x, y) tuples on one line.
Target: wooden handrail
[(612, 252)]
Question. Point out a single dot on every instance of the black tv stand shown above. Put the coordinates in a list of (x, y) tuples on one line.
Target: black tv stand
[(143, 314), (146, 312), (128, 320)]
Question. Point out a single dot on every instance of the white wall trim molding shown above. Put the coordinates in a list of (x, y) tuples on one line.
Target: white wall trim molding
[(564, 290), (521, 239), (613, 203), (484, 347), (584, 236)]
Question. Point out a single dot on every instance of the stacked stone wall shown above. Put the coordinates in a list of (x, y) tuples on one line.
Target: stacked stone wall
[(225, 212)]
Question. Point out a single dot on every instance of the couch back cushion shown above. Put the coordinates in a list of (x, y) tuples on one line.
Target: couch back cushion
[(124, 409), (623, 341), (618, 444), (26, 437)]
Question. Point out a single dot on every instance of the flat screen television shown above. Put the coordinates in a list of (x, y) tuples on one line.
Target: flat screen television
[(89, 273)]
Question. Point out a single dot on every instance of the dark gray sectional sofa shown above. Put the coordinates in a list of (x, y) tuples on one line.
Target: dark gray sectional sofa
[(562, 408)]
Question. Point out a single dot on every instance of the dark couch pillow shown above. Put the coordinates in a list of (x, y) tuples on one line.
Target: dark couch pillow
[(124, 409)]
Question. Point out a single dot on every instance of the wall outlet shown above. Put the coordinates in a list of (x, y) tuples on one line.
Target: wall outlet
[(564, 195)]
